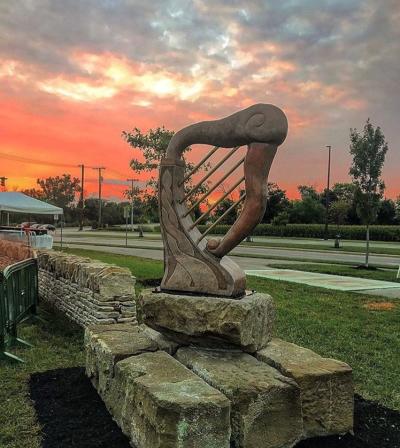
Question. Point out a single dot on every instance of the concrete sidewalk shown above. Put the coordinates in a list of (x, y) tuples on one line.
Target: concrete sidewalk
[(336, 282)]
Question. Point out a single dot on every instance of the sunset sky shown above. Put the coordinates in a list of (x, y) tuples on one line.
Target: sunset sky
[(75, 73)]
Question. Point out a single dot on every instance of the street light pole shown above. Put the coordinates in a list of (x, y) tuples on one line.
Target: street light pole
[(327, 192), (132, 190), (100, 168), (81, 200)]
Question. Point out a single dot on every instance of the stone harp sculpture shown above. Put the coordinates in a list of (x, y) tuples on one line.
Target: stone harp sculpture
[(193, 264)]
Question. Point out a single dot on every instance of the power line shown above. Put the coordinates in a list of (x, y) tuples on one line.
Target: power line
[(34, 161), (55, 164)]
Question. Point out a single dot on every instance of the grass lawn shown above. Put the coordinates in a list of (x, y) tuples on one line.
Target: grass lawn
[(142, 268), (345, 247), (388, 275), (336, 324), (57, 344)]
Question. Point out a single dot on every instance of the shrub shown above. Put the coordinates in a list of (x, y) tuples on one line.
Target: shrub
[(281, 219), (377, 233)]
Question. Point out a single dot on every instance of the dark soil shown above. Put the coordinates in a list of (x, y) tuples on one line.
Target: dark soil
[(73, 416), (71, 412)]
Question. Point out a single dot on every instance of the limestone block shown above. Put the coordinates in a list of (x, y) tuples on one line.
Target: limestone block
[(106, 345), (265, 406), (159, 403), (164, 344), (326, 386), (211, 321)]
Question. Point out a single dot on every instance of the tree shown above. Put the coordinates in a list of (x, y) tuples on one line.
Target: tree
[(59, 190), (344, 191), (338, 212), (277, 202), (34, 193), (387, 212), (281, 219), (398, 209), (137, 204), (308, 191), (153, 146), (369, 150), (222, 207), (92, 209), (307, 211)]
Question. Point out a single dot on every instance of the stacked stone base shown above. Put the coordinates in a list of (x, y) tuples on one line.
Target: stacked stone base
[(180, 389)]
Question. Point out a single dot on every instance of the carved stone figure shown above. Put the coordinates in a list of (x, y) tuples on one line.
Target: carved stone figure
[(193, 264)]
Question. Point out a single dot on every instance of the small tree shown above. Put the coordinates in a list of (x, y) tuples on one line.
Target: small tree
[(368, 149), (277, 202), (338, 212), (34, 193), (59, 190), (153, 146), (307, 211), (308, 191), (387, 213), (398, 209), (281, 219), (223, 207)]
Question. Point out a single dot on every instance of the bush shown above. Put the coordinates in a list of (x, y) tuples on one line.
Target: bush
[(281, 219), (377, 233)]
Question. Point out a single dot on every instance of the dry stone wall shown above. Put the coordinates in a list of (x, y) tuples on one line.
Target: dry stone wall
[(85, 290)]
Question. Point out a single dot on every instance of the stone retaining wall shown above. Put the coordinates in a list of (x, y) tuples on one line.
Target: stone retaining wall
[(85, 290)]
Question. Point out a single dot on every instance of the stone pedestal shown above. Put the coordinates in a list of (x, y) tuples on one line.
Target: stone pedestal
[(219, 322), (188, 382), (326, 386)]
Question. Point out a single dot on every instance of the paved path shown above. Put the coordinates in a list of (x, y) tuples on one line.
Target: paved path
[(336, 282)]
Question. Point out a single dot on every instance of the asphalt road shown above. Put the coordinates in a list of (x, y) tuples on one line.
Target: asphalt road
[(247, 257)]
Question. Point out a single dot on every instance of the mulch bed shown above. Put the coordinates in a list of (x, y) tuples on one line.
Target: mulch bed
[(73, 416)]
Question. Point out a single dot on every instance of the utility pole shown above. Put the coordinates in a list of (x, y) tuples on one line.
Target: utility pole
[(132, 191), (327, 192), (3, 181), (81, 200), (2, 185), (100, 168)]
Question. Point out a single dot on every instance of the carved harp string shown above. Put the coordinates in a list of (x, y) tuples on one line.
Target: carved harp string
[(193, 264)]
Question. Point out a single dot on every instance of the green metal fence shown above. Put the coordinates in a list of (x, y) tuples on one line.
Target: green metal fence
[(18, 300)]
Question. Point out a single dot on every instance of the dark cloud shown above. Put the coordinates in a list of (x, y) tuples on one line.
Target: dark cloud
[(329, 63)]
